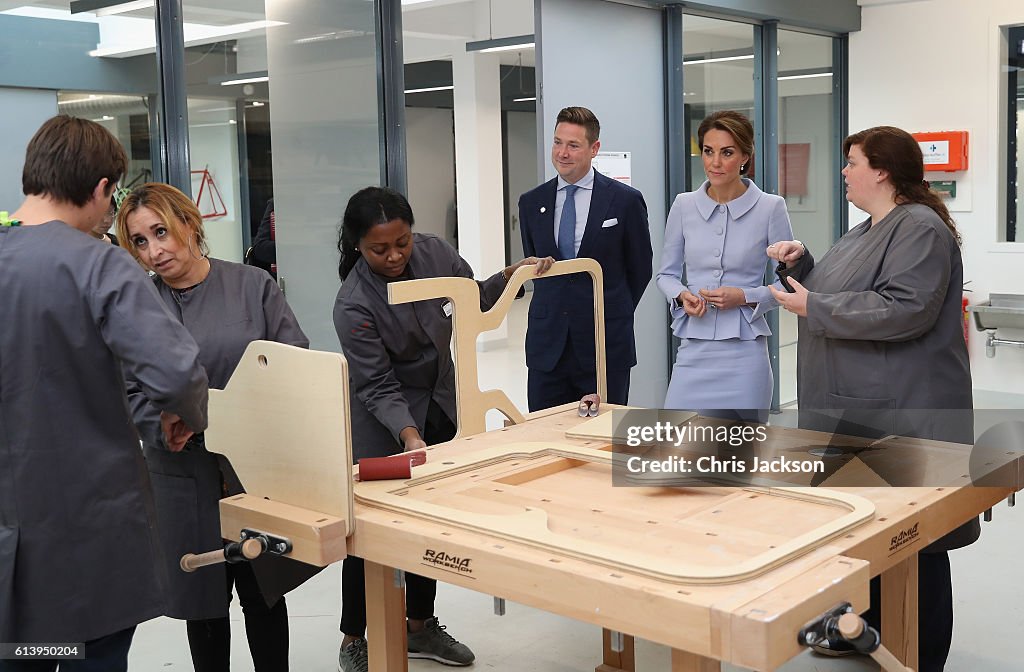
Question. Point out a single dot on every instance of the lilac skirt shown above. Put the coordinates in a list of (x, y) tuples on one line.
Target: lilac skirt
[(728, 374)]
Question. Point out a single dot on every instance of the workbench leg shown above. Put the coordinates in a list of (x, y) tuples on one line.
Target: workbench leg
[(617, 661), (684, 661), (385, 620), (899, 611)]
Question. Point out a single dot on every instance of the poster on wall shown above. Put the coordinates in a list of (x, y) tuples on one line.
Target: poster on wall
[(616, 165)]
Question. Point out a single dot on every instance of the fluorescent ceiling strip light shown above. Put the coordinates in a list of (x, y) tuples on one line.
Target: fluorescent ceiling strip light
[(813, 74), (513, 43), (246, 80), (450, 87), (523, 100), (721, 59), (510, 47)]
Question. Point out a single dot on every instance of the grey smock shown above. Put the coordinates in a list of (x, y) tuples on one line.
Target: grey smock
[(399, 356), (78, 544), (233, 306)]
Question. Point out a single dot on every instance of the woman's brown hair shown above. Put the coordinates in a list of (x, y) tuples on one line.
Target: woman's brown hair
[(895, 151), (175, 209), (735, 124)]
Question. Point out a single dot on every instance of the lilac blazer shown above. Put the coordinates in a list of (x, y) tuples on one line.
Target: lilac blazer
[(712, 245)]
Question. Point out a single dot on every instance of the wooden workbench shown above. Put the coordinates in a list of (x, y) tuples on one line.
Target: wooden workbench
[(751, 623)]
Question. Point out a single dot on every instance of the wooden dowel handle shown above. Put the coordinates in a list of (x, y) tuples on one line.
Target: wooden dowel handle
[(851, 626), (190, 562), (252, 548)]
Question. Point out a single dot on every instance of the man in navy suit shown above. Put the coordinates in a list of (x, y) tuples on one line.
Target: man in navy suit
[(582, 213)]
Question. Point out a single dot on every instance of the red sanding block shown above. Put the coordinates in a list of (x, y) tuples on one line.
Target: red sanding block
[(393, 466)]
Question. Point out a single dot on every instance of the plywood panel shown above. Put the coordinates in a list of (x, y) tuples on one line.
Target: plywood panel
[(283, 423)]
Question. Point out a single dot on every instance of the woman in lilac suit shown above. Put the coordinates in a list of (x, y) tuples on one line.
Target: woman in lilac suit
[(712, 273)]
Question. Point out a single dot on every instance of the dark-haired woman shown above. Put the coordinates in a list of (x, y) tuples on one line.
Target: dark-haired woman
[(712, 273), (402, 380), (880, 332)]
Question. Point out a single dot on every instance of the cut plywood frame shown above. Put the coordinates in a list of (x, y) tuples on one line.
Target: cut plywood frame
[(468, 322), (602, 427), (283, 422), (531, 493)]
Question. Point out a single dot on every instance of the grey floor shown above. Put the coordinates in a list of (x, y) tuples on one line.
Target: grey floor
[(988, 592)]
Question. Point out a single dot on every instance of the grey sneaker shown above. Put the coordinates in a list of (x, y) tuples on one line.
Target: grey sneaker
[(434, 642), (354, 657)]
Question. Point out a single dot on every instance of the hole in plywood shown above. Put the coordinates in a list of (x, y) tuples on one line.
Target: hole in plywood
[(263, 362), (683, 592), (499, 546), (882, 520), (448, 463), (546, 500), (527, 475), (554, 560), (753, 497), (322, 520), (711, 534), (446, 534), (615, 576), (652, 522), (850, 536), (597, 510), (913, 503)]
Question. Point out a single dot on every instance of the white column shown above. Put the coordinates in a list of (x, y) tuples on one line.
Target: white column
[(478, 172)]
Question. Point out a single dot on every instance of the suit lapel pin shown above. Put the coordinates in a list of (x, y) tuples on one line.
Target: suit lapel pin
[(543, 210)]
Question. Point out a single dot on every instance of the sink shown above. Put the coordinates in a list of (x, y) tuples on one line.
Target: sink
[(1001, 310)]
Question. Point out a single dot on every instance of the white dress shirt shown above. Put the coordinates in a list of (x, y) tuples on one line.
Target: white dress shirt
[(583, 194)]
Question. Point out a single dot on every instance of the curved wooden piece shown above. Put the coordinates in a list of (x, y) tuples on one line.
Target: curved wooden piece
[(530, 525), (468, 322), (283, 423)]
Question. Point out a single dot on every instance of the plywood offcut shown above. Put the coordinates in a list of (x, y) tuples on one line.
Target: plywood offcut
[(468, 322)]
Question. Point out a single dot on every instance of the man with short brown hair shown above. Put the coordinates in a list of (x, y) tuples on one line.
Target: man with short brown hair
[(582, 213), (78, 546)]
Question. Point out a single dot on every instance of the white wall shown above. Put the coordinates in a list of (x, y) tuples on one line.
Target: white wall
[(25, 110), (213, 145), (909, 69), (521, 173), (430, 145)]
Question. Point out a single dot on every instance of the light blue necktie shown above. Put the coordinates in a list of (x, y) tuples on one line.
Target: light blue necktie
[(567, 224)]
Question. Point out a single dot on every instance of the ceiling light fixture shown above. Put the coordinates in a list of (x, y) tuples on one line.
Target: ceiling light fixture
[(721, 59), (519, 42), (807, 76), (449, 87)]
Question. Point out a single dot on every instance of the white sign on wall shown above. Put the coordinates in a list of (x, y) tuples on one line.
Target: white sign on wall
[(935, 151), (616, 165)]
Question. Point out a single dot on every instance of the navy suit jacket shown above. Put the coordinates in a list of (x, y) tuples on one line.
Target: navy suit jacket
[(562, 306)]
